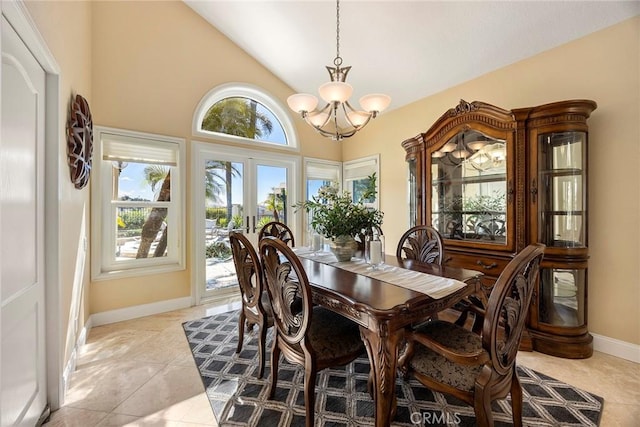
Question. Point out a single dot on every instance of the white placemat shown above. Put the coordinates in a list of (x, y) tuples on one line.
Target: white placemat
[(435, 286)]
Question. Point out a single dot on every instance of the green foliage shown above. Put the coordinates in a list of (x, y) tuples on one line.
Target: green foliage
[(237, 116), (132, 219), (263, 221), (365, 189), (487, 203), (334, 214), (218, 250), (216, 213), (237, 220)]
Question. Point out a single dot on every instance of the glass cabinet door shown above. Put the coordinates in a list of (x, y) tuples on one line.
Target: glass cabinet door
[(469, 188), (562, 297), (561, 190), (413, 194)]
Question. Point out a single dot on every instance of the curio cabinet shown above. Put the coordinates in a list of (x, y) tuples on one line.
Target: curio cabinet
[(492, 181)]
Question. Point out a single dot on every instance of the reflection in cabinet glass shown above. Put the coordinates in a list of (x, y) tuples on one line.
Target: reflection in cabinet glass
[(562, 299), (469, 185), (562, 200)]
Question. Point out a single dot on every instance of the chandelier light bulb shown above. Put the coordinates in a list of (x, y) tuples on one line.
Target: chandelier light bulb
[(358, 118), (302, 102), (375, 102), (335, 91), (460, 153), (448, 147), (318, 119)]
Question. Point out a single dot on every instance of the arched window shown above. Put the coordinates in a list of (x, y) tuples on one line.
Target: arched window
[(243, 113)]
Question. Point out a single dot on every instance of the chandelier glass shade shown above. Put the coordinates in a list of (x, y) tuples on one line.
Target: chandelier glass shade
[(481, 153), (337, 119)]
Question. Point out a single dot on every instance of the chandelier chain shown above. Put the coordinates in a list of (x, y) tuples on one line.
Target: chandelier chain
[(338, 61)]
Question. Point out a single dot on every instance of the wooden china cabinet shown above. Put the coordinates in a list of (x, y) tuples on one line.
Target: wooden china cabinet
[(493, 181)]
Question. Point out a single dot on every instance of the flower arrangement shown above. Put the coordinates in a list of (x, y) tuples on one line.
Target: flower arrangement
[(335, 214)]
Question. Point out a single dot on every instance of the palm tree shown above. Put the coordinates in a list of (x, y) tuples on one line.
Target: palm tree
[(239, 117), (218, 175), (274, 204), (155, 174)]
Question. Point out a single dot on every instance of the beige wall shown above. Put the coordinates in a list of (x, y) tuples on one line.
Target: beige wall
[(71, 48), (604, 67), (145, 66), (152, 64)]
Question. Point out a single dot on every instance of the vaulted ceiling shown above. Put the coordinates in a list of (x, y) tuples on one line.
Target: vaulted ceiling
[(406, 49)]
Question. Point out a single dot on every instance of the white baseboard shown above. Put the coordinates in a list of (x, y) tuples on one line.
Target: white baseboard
[(618, 348), (137, 311), (70, 367)]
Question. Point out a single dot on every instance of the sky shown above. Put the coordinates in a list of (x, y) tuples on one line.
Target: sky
[(132, 183)]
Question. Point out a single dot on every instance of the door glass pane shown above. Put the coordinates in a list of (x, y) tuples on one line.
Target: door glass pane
[(271, 195), (223, 212), (562, 299), (561, 193), (469, 186)]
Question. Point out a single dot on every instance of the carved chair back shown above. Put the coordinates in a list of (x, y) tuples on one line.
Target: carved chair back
[(256, 309), (278, 230), (421, 243), (508, 307), (248, 270), (289, 290)]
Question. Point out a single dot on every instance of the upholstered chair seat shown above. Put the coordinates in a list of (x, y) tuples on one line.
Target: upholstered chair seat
[(329, 345), (428, 362)]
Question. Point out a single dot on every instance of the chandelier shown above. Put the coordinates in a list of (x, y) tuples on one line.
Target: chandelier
[(337, 119)]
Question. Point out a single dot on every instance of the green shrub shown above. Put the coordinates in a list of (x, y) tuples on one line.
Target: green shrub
[(218, 250)]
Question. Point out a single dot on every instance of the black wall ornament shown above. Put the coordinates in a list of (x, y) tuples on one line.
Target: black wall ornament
[(79, 141)]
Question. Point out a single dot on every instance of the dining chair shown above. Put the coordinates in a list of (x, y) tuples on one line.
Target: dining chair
[(278, 229), (421, 243), (478, 369), (424, 243), (306, 335), (256, 308)]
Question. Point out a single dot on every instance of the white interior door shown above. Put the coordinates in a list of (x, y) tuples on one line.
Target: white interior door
[(22, 360), (236, 189)]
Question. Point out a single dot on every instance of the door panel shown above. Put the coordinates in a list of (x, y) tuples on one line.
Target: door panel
[(241, 191), (23, 364), (271, 194)]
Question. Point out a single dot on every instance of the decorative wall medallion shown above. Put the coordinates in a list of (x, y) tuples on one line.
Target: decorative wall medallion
[(79, 141)]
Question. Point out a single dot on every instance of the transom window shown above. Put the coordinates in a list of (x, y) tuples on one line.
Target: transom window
[(244, 114)]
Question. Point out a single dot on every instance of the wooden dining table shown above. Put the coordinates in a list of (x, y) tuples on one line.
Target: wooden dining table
[(383, 310)]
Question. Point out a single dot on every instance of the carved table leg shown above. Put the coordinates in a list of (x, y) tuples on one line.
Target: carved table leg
[(383, 347)]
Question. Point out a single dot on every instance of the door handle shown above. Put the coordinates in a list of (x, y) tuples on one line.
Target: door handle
[(247, 224), (254, 223)]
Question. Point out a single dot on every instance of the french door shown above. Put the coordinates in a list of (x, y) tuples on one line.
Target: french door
[(235, 190)]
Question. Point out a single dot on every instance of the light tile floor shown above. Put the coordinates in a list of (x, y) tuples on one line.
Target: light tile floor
[(141, 373)]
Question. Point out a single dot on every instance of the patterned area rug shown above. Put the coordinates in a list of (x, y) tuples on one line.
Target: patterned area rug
[(238, 398)]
